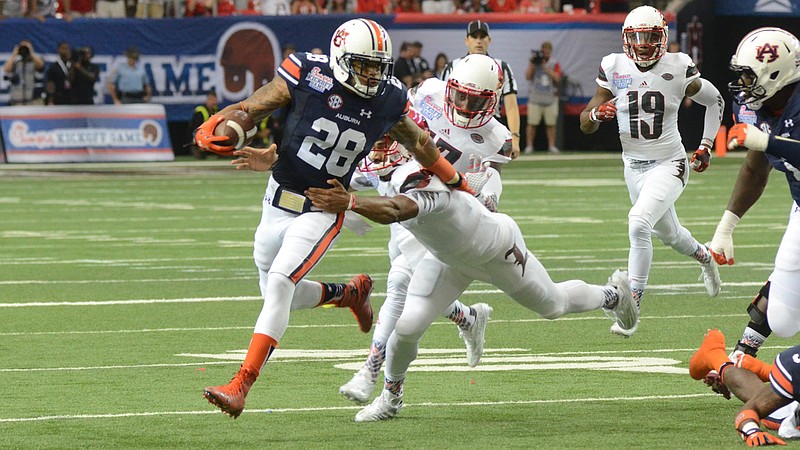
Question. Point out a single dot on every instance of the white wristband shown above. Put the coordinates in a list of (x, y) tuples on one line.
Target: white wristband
[(727, 223)]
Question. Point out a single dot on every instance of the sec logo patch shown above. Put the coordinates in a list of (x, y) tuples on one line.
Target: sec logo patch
[(335, 101)]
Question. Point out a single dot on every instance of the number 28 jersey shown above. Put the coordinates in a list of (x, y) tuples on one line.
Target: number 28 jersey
[(328, 129), (648, 102)]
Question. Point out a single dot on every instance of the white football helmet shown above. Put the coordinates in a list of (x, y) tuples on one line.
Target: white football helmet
[(386, 156), (470, 97), (361, 56), (644, 35), (766, 60)]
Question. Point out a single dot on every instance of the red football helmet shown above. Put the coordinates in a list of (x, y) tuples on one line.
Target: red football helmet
[(386, 156)]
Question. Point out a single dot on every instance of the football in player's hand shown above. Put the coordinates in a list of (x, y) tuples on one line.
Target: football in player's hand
[(238, 127)]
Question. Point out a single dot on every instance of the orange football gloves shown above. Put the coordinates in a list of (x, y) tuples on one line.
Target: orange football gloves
[(605, 112), (205, 138)]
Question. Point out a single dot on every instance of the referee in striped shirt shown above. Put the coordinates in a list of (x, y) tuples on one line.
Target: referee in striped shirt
[(477, 41)]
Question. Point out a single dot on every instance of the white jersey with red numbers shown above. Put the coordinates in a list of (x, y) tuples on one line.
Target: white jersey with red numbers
[(465, 148), (449, 224), (648, 102)]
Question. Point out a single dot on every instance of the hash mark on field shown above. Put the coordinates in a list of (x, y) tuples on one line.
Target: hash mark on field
[(354, 407)]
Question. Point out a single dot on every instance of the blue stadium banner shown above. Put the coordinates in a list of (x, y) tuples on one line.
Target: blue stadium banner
[(186, 58), (758, 7), (100, 133)]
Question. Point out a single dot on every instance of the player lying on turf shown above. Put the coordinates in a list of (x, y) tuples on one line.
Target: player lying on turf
[(772, 404)]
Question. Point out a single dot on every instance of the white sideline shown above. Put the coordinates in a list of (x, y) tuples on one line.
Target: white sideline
[(350, 408)]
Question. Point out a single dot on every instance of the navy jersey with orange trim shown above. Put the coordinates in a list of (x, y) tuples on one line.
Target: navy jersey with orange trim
[(329, 129), (785, 125), (785, 374)]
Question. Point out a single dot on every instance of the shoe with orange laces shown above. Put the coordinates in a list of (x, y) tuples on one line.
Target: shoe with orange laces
[(356, 297), (706, 357), (230, 398)]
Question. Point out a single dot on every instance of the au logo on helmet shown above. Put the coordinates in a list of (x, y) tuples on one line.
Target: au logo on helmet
[(339, 37), (767, 50)]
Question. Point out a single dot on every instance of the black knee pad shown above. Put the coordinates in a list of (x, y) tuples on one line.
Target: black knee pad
[(758, 319)]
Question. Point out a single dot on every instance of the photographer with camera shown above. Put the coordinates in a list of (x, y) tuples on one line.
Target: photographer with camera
[(543, 75), (85, 75), (59, 77), (20, 73)]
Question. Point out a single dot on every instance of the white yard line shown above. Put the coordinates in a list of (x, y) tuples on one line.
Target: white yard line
[(352, 408)]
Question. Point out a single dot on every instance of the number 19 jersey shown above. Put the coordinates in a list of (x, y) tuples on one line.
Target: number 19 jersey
[(329, 129), (648, 102)]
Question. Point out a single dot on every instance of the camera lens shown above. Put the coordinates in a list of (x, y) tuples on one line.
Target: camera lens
[(24, 51)]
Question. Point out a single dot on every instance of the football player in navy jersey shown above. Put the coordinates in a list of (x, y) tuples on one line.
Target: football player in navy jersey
[(767, 116), (338, 106)]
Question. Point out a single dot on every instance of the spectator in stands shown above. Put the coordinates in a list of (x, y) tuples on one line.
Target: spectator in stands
[(14, 9), (477, 41), (77, 8), (339, 7), (42, 9), (317, 51), (538, 6), (201, 114), (374, 6), (85, 75), (419, 64), (403, 68), (543, 75), (20, 73), (501, 6), (439, 64), (200, 8), (150, 9), (274, 7), (440, 6), (407, 6), (110, 8), (59, 77), (303, 7), (128, 82)]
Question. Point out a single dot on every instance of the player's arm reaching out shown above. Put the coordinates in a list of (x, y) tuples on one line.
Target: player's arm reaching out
[(750, 184), (419, 143), (748, 421), (749, 136), (383, 210), (259, 105), (704, 93), (601, 108)]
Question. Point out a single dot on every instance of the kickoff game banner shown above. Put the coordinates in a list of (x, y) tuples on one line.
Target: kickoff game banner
[(185, 58), (101, 133)]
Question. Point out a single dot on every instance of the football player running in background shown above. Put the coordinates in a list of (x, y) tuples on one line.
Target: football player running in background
[(442, 109), (465, 242), (339, 106), (643, 89), (767, 103)]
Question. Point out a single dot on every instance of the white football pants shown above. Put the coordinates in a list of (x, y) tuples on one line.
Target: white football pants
[(514, 270), (783, 309), (654, 187)]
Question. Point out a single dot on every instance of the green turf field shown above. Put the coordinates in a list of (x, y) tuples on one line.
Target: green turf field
[(124, 290)]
